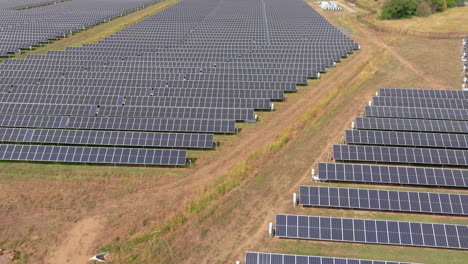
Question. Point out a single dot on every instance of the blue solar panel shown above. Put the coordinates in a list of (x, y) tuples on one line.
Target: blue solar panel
[(372, 231), (276, 258), (384, 200)]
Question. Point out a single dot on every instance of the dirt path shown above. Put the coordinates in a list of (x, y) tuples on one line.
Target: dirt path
[(77, 246)]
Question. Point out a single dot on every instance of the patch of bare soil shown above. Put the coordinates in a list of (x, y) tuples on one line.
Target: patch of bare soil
[(77, 248)]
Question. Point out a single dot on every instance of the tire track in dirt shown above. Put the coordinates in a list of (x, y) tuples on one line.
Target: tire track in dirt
[(76, 249)]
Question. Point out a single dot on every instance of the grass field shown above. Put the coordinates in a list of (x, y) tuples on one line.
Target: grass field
[(218, 209), (450, 20)]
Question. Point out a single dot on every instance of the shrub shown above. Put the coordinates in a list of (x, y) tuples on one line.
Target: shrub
[(438, 5), (393, 9), (424, 9), (452, 3)]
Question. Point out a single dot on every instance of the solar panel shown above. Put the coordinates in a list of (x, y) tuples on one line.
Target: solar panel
[(423, 93), (93, 155), (119, 123), (276, 258), (384, 200), (372, 231), (444, 126), (392, 175), (417, 112), (391, 138), (401, 155), (106, 138), (420, 102)]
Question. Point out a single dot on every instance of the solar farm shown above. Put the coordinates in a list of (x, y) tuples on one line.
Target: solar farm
[(182, 136), (200, 82)]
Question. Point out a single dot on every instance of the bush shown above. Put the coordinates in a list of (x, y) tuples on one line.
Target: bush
[(393, 9), (438, 5), (452, 3), (424, 9)]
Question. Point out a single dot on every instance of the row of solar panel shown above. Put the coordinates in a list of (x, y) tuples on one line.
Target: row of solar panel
[(391, 138), (92, 91), (396, 175), (417, 112), (205, 102), (372, 231), (274, 258), (144, 83), (420, 102), (106, 138), (444, 126), (384, 200), (32, 77), (238, 114), (423, 93), (401, 155), (119, 123), (69, 154)]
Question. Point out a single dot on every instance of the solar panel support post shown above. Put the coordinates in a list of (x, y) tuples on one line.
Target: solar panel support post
[(370, 103), (352, 124), (314, 176), (271, 230), (237, 262), (295, 201), (272, 106)]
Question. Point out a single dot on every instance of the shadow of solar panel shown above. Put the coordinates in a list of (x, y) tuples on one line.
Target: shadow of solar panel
[(372, 231), (384, 200)]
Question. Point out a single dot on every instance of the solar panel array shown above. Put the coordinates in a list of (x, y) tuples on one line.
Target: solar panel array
[(272, 258), (23, 29), (410, 126), (384, 200), (401, 127), (397, 175), (372, 231), (196, 67)]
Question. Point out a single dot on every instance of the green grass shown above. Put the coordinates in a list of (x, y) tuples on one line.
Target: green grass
[(450, 20), (18, 171)]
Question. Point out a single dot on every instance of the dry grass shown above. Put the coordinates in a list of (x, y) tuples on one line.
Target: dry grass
[(450, 20)]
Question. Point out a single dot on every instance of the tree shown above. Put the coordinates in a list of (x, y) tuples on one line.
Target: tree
[(393, 9)]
